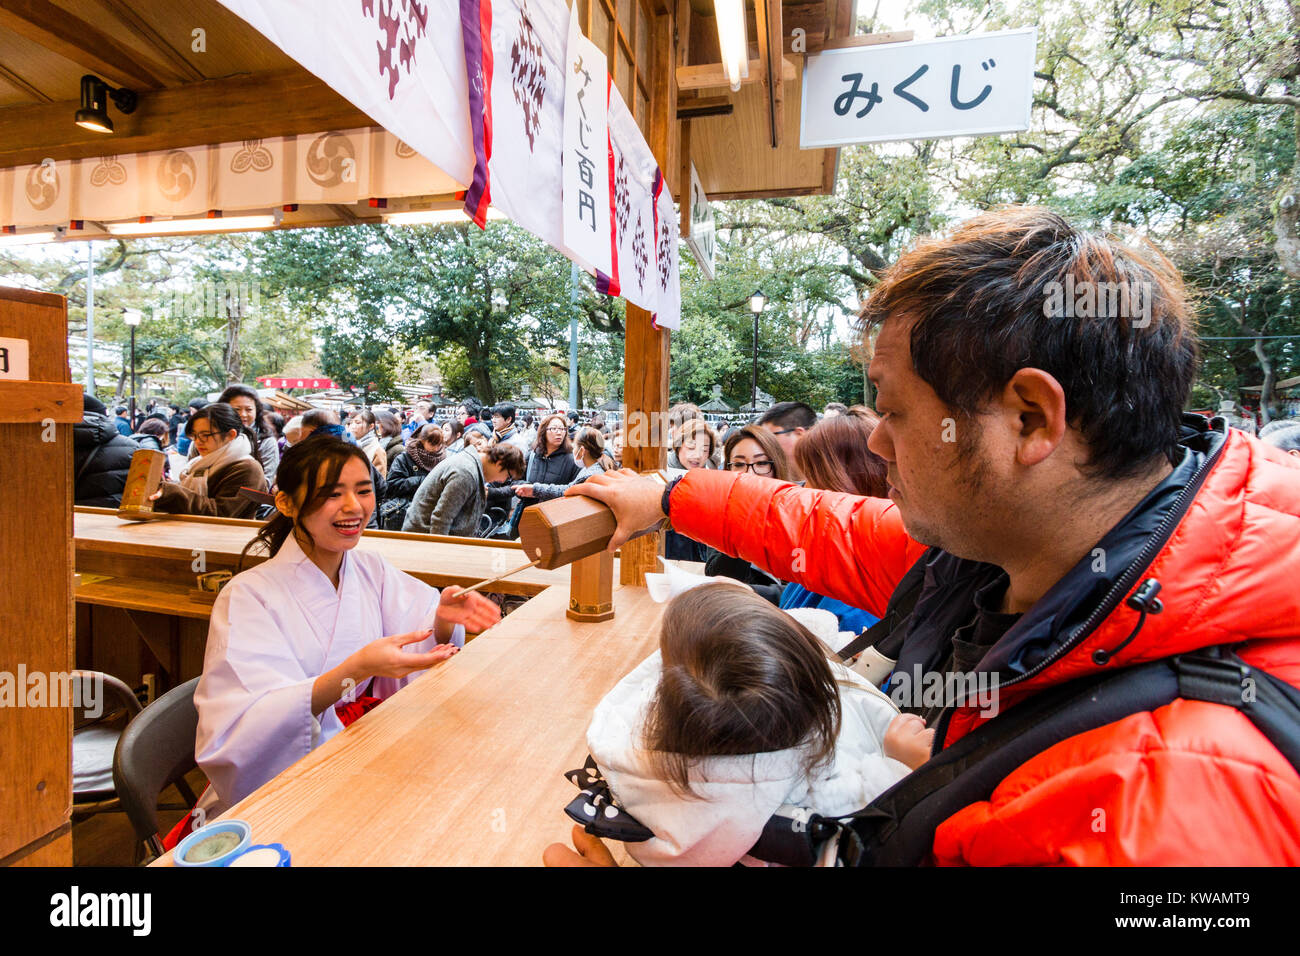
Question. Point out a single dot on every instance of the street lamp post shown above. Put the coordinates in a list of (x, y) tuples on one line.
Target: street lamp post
[(132, 318), (757, 303)]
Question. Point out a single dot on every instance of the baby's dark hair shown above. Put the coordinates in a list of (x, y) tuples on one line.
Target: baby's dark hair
[(740, 676)]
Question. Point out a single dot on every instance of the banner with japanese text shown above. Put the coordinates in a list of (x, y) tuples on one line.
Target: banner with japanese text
[(953, 86), (520, 79), (586, 152)]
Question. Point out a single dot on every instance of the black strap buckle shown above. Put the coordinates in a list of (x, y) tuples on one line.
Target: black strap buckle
[(1214, 679)]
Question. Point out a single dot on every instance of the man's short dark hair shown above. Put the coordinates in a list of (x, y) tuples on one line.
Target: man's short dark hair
[(789, 415), (571, 415), (506, 411), (506, 456), (198, 404), (1020, 288), (120, 410), (319, 418)]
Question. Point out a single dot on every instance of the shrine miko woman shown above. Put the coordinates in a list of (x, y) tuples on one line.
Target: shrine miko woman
[(297, 647)]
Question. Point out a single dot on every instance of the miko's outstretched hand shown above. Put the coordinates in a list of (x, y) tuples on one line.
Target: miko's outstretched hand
[(468, 608)]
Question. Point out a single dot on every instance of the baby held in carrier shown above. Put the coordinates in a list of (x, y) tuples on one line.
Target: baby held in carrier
[(741, 711)]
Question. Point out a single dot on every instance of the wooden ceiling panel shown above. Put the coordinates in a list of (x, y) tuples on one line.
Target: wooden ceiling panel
[(55, 76), (733, 156), (164, 29), (214, 111)]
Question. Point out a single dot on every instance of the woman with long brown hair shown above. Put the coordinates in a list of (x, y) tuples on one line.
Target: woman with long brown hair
[(407, 471), (303, 643), (588, 451), (756, 451)]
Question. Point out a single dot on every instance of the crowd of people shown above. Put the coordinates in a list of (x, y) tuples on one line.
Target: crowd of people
[(1007, 513)]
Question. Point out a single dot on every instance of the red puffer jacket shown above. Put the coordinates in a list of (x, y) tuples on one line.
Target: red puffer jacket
[(1191, 783)]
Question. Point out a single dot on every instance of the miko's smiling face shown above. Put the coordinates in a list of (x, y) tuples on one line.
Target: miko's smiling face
[(342, 511)]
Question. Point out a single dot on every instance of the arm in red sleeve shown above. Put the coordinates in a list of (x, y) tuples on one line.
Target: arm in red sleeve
[(846, 547)]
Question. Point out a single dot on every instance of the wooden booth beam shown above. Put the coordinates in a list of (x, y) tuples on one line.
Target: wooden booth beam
[(197, 114)]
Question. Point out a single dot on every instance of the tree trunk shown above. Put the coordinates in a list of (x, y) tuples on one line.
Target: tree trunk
[(1266, 398), (230, 357), (1286, 214), (482, 378)]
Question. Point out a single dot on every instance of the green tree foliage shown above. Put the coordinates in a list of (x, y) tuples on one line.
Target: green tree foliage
[(203, 311), (481, 301)]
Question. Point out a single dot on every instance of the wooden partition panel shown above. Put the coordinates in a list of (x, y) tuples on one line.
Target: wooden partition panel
[(36, 609)]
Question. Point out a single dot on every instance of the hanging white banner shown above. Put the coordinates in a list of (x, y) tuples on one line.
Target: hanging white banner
[(586, 151), (953, 86), (415, 87), (517, 51)]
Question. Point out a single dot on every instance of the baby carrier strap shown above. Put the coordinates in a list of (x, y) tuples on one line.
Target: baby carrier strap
[(897, 828), (880, 643)]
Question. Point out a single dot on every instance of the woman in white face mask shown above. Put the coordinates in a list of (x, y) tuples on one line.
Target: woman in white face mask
[(588, 446), (210, 483)]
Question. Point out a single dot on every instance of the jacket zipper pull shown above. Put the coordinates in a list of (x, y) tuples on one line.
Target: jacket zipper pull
[(1143, 600)]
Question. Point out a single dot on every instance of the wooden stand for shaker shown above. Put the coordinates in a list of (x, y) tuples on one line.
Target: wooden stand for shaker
[(575, 530)]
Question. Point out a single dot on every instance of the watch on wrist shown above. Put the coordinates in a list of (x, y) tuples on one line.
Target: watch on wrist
[(668, 491)]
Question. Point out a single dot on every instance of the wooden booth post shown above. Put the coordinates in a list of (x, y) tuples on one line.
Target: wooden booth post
[(645, 358), (38, 407)]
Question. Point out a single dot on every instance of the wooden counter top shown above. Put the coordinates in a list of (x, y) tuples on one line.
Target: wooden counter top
[(464, 766), (106, 544)]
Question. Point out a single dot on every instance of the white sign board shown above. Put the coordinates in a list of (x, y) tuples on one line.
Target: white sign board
[(586, 152), (702, 238), (13, 360), (953, 86)]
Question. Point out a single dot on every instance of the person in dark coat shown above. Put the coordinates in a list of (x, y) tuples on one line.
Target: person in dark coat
[(423, 453), (550, 462), (101, 457)]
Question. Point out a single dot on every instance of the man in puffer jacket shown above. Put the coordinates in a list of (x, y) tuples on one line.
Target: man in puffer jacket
[(1030, 380), (101, 457)]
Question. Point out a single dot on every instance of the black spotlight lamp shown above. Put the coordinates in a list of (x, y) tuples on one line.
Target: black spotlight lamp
[(95, 94)]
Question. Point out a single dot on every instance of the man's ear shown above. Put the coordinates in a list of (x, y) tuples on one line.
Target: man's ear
[(284, 504), (1035, 402)]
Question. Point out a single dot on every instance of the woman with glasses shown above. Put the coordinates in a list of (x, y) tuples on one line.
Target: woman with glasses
[(588, 453), (550, 462), (755, 451), (210, 482)]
